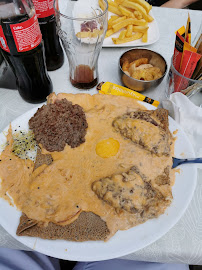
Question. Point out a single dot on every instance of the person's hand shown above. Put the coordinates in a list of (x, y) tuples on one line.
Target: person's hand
[(178, 3)]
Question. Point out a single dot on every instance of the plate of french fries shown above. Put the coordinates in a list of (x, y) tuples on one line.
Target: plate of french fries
[(130, 23)]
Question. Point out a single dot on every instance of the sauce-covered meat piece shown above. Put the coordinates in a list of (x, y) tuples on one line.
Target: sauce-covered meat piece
[(147, 129), (132, 192)]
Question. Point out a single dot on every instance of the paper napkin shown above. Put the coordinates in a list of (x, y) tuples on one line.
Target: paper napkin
[(189, 116)]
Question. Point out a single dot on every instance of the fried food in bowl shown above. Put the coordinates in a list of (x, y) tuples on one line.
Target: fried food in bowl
[(141, 69)]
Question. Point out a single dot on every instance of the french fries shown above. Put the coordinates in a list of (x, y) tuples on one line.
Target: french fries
[(129, 30), (137, 7), (126, 11), (143, 3), (109, 33), (144, 37), (101, 4), (112, 3), (113, 18), (132, 38), (130, 19), (139, 28), (150, 18), (122, 34), (138, 15), (110, 21), (114, 10), (89, 34), (118, 20), (120, 25), (118, 1)]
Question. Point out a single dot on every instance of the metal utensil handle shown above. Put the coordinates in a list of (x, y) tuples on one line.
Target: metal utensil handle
[(190, 160)]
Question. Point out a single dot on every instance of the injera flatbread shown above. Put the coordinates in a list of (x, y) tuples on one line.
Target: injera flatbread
[(87, 226), (42, 159)]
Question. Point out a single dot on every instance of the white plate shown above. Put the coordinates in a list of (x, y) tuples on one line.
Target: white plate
[(123, 242), (153, 36)]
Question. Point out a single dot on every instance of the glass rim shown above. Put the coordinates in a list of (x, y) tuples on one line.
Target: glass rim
[(81, 19), (182, 76)]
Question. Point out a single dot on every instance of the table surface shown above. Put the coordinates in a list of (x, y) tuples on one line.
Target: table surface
[(183, 243)]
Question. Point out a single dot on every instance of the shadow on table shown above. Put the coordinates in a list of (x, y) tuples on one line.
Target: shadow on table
[(69, 265), (195, 267)]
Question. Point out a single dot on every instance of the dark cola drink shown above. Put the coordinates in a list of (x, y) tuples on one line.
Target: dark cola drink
[(53, 50), (22, 47), (47, 22), (84, 77)]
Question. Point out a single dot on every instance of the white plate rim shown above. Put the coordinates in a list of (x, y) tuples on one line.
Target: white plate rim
[(34, 243)]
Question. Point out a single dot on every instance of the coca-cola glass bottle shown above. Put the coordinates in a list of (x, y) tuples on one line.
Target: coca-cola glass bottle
[(22, 47), (47, 22), (82, 26)]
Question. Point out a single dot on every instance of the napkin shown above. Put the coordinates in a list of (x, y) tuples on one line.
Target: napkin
[(189, 116)]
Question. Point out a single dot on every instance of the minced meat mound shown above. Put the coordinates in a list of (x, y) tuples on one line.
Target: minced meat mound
[(58, 124)]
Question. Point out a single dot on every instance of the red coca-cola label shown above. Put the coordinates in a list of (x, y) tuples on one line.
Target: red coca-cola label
[(3, 41), (44, 8), (27, 35)]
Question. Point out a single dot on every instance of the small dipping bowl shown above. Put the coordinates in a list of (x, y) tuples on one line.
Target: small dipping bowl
[(155, 59)]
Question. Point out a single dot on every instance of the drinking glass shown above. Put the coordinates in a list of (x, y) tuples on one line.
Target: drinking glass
[(176, 82), (82, 25)]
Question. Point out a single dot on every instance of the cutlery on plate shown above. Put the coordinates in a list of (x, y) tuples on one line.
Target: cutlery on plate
[(178, 161)]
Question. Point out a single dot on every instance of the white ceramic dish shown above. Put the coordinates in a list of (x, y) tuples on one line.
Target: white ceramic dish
[(123, 242), (153, 36)]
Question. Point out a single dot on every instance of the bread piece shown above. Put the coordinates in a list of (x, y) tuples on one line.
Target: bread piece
[(42, 159), (148, 129), (86, 227)]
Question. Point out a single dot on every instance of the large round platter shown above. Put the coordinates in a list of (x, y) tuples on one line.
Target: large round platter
[(123, 242)]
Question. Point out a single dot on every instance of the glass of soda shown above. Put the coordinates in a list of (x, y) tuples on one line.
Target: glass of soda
[(82, 25)]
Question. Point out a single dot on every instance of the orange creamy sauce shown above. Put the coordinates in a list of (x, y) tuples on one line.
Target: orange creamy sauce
[(175, 132), (60, 191)]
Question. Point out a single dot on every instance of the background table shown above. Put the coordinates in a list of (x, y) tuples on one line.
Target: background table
[(183, 243)]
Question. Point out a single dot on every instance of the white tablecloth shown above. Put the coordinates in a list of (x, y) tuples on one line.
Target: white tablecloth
[(183, 243)]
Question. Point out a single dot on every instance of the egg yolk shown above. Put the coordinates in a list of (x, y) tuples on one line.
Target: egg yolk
[(107, 148)]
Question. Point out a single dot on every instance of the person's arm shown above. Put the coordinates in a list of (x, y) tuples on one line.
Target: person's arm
[(178, 3)]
